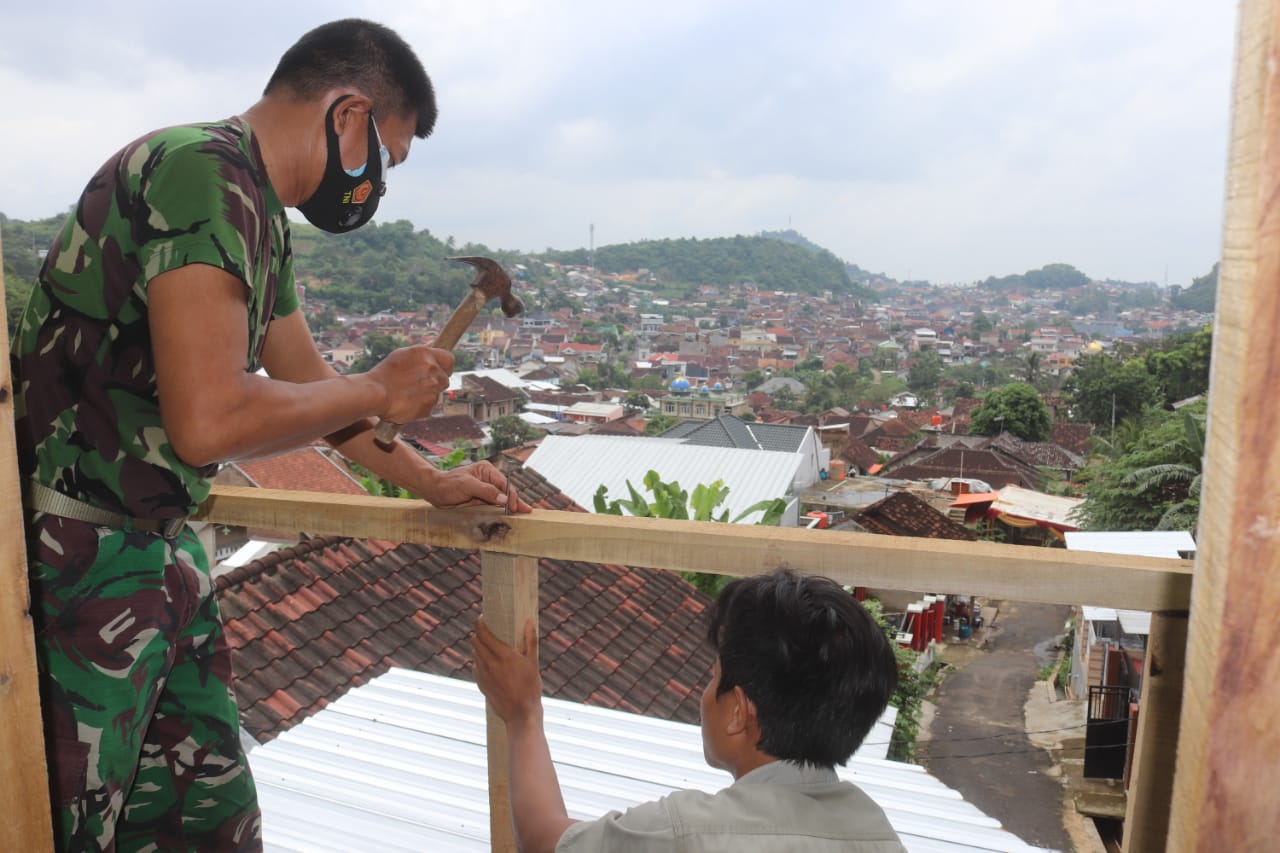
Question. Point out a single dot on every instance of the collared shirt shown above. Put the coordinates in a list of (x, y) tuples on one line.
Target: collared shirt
[(780, 806)]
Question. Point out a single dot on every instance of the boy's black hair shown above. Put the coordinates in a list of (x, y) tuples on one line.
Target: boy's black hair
[(368, 56), (818, 667)]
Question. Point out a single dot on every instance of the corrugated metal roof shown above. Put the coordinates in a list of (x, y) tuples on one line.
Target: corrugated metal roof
[(579, 465), (1171, 544), (1143, 543), (400, 764)]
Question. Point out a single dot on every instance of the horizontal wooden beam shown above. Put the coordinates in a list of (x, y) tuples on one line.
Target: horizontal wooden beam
[(1015, 572)]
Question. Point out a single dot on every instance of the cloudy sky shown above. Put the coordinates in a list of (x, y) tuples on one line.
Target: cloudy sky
[(942, 140)]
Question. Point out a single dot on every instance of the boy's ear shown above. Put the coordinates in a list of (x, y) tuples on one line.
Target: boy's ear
[(742, 715)]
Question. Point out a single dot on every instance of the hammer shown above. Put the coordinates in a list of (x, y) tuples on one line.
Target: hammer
[(491, 282)]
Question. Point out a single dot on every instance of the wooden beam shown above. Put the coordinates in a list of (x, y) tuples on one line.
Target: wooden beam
[(509, 586), (1146, 821), (27, 824), (1229, 746), (1016, 572)]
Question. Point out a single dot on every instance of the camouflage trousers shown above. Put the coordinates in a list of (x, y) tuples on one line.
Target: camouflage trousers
[(141, 727)]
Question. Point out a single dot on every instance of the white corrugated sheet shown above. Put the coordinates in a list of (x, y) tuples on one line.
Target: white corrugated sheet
[(1171, 544), (399, 764), (579, 465), (1141, 543)]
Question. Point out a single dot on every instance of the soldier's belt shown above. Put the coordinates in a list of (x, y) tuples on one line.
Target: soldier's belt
[(41, 498)]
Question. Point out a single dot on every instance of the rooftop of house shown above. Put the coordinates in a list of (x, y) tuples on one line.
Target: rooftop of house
[(307, 469), (904, 514), (307, 623)]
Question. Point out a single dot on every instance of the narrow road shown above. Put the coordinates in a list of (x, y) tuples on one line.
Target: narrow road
[(977, 740)]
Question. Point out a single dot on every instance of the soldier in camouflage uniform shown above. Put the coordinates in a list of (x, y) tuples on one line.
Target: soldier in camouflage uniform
[(134, 371)]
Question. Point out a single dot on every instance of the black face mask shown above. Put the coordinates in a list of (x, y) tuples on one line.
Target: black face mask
[(343, 202)]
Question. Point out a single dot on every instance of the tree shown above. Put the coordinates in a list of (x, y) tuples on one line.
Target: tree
[(925, 372), (636, 402), (659, 424), (377, 346), (1181, 366), (1155, 485), (1105, 390), (751, 379), (463, 360), (510, 431), (1015, 408), (981, 323)]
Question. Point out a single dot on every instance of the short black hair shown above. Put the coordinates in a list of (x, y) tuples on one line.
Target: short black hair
[(818, 667), (369, 56)]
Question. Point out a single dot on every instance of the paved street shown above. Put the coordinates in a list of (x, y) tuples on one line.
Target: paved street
[(977, 741)]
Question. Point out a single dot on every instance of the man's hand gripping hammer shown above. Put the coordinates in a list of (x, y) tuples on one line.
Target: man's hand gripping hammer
[(491, 282)]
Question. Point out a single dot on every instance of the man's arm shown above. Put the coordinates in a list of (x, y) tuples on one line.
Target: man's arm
[(214, 410), (510, 681), (290, 354)]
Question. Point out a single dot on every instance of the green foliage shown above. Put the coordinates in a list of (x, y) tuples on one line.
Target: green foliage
[(912, 687), (463, 360), (23, 242), (1102, 381), (659, 424), (1015, 408), (684, 263), (377, 346), (1049, 277), (510, 431), (671, 501), (924, 372), (1181, 365), (1200, 296), (1154, 482)]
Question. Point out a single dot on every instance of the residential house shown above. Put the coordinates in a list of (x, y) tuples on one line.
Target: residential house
[(481, 398)]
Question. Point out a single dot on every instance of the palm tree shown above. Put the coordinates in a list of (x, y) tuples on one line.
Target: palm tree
[(1181, 479)]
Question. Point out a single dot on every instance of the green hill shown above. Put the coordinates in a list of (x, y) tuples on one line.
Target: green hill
[(1200, 295), (767, 262)]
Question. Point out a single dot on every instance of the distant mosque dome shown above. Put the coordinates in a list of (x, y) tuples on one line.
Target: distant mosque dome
[(704, 390), (1094, 346), (719, 386), (680, 386)]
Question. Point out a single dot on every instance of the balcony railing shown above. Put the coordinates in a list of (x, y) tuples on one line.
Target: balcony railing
[(510, 547)]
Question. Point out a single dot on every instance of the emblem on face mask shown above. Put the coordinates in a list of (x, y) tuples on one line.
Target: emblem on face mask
[(360, 193)]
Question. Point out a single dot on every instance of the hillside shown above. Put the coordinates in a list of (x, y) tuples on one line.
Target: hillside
[(1200, 295), (769, 263)]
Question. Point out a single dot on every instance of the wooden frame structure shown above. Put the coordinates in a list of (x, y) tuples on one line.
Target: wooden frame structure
[(1218, 710)]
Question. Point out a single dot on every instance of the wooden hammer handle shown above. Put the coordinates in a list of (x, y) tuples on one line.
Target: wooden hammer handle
[(385, 432)]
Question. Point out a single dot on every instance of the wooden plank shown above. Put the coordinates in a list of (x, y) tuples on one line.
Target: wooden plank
[(27, 823), (1014, 572), (1229, 746), (1146, 822), (509, 586)]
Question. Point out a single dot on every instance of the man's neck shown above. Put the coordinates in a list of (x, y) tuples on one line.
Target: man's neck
[(286, 139)]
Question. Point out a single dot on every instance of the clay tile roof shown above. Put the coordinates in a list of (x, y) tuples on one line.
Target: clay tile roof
[(904, 514), (857, 453), (1073, 437), (306, 469), (487, 389), (307, 623)]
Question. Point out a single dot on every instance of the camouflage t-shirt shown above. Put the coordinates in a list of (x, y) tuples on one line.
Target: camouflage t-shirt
[(88, 413)]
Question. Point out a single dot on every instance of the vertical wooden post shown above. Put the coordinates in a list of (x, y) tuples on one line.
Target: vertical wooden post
[(1146, 820), (509, 585), (23, 778), (1228, 765)]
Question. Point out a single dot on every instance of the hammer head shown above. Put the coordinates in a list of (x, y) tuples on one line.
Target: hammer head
[(492, 280)]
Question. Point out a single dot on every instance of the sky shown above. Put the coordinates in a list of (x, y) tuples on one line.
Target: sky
[(939, 140)]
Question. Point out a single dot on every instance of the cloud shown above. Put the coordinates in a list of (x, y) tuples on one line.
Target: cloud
[(948, 141)]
